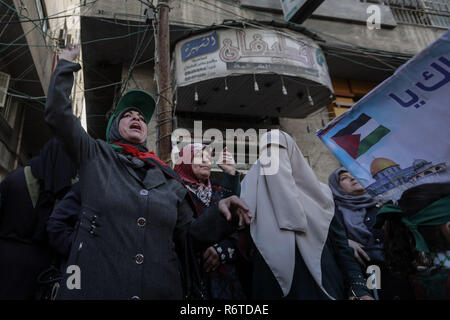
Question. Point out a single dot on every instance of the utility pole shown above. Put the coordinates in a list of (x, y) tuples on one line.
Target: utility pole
[(165, 109)]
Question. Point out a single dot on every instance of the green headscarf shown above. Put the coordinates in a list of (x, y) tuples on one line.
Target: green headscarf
[(435, 214)]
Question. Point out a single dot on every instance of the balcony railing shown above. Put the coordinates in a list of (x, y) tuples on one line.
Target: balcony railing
[(429, 13)]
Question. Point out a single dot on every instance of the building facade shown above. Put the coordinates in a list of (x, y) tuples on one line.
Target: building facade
[(118, 53), (32, 34)]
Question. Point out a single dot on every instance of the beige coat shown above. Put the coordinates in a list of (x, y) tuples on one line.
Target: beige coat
[(290, 208)]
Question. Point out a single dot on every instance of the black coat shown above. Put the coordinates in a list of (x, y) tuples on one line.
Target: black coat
[(22, 257), (63, 220), (374, 246), (224, 282), (133, 232), (341, 275)]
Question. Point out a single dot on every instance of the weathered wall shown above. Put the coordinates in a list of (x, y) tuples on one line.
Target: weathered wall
[(43, 49), (403, 38), (407, 39), (72, 27), (320, 158), (39, 42), (43, 46)]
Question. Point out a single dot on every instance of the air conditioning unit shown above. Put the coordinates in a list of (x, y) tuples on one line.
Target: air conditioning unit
[(4, 83)]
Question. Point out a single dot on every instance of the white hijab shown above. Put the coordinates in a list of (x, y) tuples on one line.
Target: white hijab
[(289, 206)]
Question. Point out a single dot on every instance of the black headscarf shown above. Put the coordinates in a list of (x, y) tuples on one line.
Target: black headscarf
[(54, 168), (114, 135), (55, 171)]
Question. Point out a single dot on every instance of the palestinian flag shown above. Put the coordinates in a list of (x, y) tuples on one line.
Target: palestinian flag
[(360, 135)]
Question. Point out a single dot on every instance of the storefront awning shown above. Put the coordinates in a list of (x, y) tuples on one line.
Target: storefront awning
[(251, 71)]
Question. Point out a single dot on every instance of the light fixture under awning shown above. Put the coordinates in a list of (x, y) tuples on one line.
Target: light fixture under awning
[(251, 71)]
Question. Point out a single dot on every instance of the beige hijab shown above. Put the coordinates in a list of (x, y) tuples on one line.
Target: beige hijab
[(289, 206)]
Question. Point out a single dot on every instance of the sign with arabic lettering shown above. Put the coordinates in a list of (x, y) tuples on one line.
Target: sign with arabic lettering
[(398, 135), (291, 7), (249, 51), (199, 46)]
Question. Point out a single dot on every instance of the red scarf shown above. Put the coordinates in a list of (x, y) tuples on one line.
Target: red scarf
[(133, 151), (184, 164)]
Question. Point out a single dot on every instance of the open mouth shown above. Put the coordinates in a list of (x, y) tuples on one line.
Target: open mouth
[(135, 126)]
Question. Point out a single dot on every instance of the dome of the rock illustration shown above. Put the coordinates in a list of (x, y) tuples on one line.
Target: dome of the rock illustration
[(380, 164)]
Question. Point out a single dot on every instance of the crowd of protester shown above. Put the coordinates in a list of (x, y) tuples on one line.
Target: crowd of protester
[(138, 229)]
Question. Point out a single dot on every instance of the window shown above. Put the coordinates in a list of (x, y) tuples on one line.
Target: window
[(7, 111), (4, 111), (4, 83), (435, 13), (42, 15), (347, 93), (439, 12)]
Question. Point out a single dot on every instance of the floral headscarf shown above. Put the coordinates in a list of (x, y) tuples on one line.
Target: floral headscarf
[(183, 167)]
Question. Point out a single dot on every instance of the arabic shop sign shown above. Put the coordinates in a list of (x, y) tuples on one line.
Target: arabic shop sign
[(229, 52), (199, 46), (397, 136)]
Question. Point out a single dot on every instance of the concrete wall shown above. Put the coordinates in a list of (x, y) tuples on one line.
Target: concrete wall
[(43, 50), (403, 38), (42, 46), (12, 123), (407, 39), (186, 12), (39, 42), (320, 158), (348, 10), (72, 27)]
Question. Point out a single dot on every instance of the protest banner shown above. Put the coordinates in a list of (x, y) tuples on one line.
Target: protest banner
[(398, 135)]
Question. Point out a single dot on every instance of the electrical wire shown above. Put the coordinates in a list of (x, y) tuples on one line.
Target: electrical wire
[(25, 96), (134, 62), (130, 34), (26, 71), (104, 86), (293, 24), (37, 20), (24, 80), (22, 95), (392, 68), (7, 24), (264, 27), (357, 62), (15, 57), (82, 43), (138, 32), (36, 26)]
